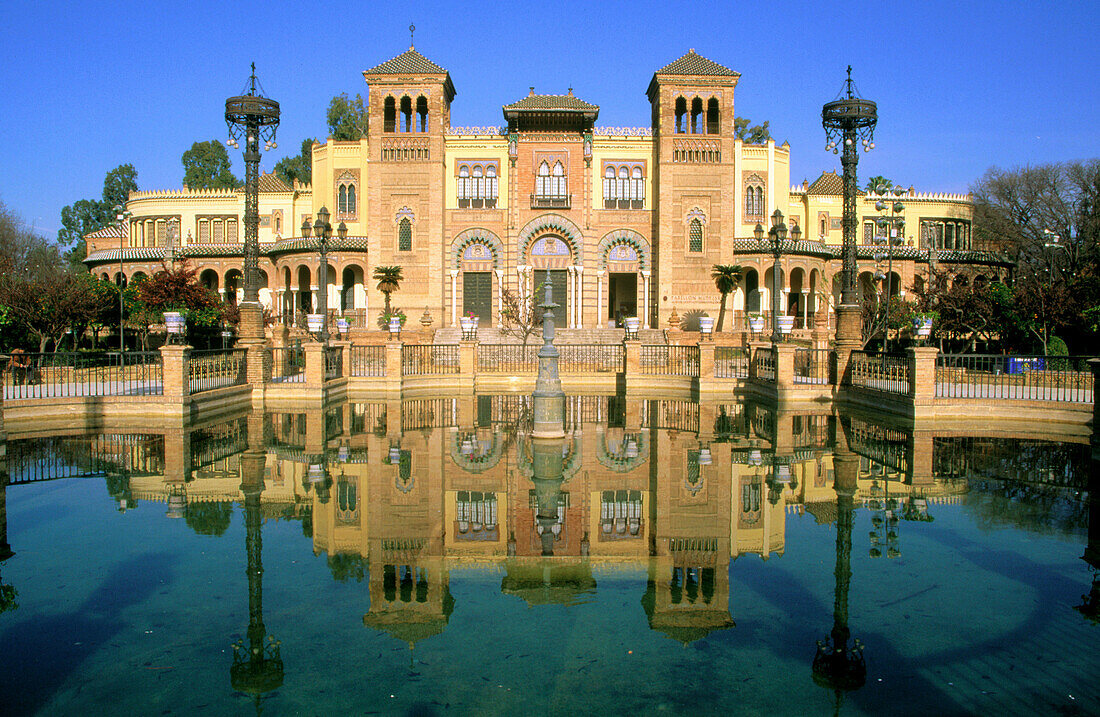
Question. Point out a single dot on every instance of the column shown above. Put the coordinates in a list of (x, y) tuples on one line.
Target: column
[(569, 293), (454, 297), (601, 315), (500, 293), (805, 308), (645, 299), (580, 295), (521, 288), (316, 293)]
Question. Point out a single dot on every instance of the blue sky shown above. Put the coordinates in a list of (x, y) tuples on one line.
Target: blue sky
[(960, 86)]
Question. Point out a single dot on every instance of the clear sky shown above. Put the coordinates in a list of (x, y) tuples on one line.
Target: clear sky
[(960, 86)]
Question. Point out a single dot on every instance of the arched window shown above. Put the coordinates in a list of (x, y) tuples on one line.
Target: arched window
[(422, 113), (464, 189), (346, 205), (609, 196), (491, 186), (542, 183), (712, 116), (479, 187), (697, 116), (278, 224), (342, 200), (351, 199), (681, 115), (754, 199), (558, 186), (637, 188), (624, 183), (695, 236), (406, 114), (389, 115), (404, 235)]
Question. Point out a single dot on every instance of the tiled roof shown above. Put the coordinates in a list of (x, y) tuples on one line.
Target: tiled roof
[(273, 183), (112, 231), (310, 244), (829, 183), (552, 103), (695, 64), (408, 62)]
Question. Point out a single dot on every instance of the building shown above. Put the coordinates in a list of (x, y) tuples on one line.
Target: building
[(627, 220)]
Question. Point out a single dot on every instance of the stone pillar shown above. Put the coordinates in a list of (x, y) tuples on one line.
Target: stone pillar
[(579, 291), (315, 364), (784, 366), (601, 315), (645, 299), (922, 375), (467, 366), (1094, 364), (393, 369), (633, 351), (500, 294), (454, 297), (849, 327), (175, 360), (920, 450), (177, 455), (257, 368), (706, 367)]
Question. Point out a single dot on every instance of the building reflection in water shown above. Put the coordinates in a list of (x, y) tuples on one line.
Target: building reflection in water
[(398, 493)]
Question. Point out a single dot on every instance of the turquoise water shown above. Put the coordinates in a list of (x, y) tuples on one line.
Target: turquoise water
[(137, 612)]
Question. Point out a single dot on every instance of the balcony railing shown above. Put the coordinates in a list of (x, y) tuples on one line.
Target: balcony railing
[(551, 201), (1031, 378)]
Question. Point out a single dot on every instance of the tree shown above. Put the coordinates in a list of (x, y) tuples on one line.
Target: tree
[(175, 288), (389, 280), (756, 134), (298, 168), (875, 182), (518, 318), (727, 277), (206, 166), (89, 215), (347, 118)]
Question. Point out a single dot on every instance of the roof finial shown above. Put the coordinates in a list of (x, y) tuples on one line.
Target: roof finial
[(850, 81), (253, 79), (412, 29)]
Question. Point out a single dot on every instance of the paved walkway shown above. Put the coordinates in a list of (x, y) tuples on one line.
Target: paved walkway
[(97, 388)]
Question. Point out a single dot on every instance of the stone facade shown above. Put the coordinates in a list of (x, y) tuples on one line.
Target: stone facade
[(628, 221)]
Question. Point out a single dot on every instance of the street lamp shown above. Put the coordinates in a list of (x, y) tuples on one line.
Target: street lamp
[(122, 216), (323, 230), (847, 119), (777, 235), (892, 224), (253, 117)]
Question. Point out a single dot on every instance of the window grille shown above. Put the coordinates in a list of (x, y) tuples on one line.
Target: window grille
[(695, 236), (404, 235)]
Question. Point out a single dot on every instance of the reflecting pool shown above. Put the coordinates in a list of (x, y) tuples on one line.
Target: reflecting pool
[(427, 557)]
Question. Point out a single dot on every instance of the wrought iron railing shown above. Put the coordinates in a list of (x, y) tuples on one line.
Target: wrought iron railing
[(731, 362), (429, 359), (334, 362), (879, 372), (764, 364), (58, 375), (216, 368), (591, 358), (1029, 378), (367, 361), (662, 360), (286, 364), (671, 414), (507, 358), (811, 366)]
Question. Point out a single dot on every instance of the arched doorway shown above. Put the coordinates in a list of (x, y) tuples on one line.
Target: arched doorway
[(623, 255), (305, 291), (752, 291), (550, 261)]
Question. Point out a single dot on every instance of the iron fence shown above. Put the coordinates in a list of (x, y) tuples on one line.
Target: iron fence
[(662, 360), (879, 372), (764, 364), (70, 374), (367, 361), (428, 413), (334, 362), (731, 362), (429, 359), (671, 414), (286, 364), (593, 358), (811, 366), (216, 368), (507, 358), (1029, 378)]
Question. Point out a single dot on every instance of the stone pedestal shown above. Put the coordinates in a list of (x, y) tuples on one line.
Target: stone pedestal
[(849, 327), (251, 326), (174, 359)]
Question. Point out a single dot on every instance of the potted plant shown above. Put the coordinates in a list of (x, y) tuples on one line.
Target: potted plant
[(923, 321), (706, 326), (786, 324), (756, 323)]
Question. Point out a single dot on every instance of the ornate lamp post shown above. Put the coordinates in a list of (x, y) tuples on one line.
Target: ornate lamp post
[(323, 230), (122, 215), (777, 235), (254, 118), (847, 119), (892, 224), (548, 397)]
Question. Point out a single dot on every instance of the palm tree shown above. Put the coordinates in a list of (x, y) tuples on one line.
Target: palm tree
[(727, 277), (389, 280)]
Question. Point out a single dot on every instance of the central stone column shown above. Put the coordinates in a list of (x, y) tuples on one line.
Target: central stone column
[(548, 397)]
